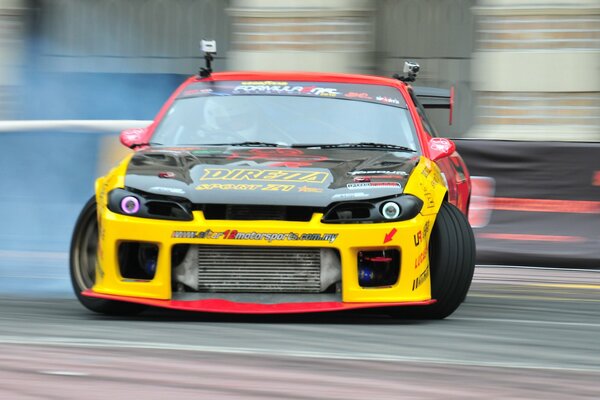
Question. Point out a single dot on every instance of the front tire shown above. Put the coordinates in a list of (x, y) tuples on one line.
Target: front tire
[(452, 263), (82, 260)]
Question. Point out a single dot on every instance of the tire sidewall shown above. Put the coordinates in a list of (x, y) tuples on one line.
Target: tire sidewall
[(89, 215)]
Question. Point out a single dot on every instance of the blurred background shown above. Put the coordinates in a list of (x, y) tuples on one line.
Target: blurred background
[(524, 70)]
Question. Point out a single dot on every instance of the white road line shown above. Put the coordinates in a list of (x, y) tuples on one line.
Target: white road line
[(64, 373), (549, 268), (525, 321), (102, 343), (14, 276)]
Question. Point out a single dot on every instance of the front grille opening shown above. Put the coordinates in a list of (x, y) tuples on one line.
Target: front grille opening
[(255, 269), (168, 210), (252, 269), (349, 212), (257, 212), (378, 268), (137, 260)]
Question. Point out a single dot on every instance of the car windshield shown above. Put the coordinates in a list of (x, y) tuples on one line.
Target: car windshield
[(224, 117)]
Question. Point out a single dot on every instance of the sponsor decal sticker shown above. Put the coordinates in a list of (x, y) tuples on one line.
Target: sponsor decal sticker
[(390, 235), (383, 95), (227, 186), (271, 175), (361, 179), (440, 144), (234, 234), (278, 187), (418, 238), (425, 172), (358, 95), (308, 189), (419, 280), (389, 100), (373, 185), (420, 258), (401, 173), (430, 200), (426, 229), (285, 88), (345, 196), (196, 92), (242, 186), (435, 181)]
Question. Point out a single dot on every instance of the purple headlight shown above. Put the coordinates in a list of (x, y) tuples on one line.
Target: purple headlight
[(130, 205)]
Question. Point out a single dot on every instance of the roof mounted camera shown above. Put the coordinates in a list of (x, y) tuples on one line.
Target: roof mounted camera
[(209, 47), (411, 69)]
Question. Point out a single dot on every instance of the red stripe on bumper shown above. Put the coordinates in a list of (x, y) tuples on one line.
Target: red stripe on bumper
[(231, 307)]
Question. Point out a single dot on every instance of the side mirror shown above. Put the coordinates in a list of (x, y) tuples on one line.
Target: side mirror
[(440, 148), (133, 137)]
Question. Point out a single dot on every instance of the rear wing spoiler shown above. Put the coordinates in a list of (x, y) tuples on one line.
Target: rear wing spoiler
[(431, 97)]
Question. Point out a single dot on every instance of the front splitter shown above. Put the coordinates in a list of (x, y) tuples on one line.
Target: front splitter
[(231, 307)]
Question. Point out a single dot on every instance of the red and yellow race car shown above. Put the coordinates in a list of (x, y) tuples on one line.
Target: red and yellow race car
[(264, 192)]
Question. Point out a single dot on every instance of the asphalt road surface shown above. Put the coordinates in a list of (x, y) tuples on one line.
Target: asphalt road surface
[(521, 334)]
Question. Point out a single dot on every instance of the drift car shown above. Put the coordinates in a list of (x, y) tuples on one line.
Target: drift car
[(262, 192)]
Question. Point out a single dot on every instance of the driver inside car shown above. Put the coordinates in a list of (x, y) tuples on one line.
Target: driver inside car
[(225, 119)]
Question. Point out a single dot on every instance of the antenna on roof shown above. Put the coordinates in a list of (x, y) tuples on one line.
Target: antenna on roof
[(209, 47), (411, 69)]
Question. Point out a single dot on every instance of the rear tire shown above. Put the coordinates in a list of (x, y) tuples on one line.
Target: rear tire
[(82, 260), (452, 263)]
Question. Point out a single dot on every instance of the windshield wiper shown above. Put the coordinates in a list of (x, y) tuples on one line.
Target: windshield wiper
[(359, 145), (248, 144)]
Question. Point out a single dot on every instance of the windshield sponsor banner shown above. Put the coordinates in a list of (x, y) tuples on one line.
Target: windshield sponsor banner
[(379, 94), (289, 89), (234, 234)]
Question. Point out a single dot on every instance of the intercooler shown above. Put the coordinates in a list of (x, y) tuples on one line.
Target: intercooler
[(250, 269)]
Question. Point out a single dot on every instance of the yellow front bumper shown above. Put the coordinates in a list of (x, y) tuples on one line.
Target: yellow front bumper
[(409, 237)]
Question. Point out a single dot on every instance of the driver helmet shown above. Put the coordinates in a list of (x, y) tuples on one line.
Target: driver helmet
[(231, 116)]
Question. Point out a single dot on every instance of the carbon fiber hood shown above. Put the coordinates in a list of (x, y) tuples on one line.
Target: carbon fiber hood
[(270, 176)]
